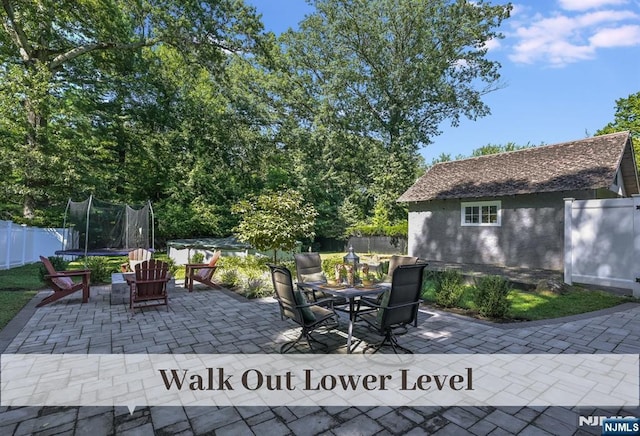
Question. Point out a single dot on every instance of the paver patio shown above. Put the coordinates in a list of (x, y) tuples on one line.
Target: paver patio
[(209, 321)]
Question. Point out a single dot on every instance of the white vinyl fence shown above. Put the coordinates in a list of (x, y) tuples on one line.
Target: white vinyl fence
[(602, 242), (21, 244)]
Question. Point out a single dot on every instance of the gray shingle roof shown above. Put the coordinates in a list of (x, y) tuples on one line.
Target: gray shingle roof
[(589, 163)]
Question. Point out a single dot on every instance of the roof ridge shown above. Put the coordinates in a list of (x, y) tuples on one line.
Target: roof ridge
[(535, 147), (587, 163)]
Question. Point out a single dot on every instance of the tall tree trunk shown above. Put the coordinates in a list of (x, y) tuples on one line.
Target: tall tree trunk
[(37, 122)]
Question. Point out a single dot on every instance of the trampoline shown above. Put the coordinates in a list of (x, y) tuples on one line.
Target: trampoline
[(229, 244), (97, 252), (98, 228)]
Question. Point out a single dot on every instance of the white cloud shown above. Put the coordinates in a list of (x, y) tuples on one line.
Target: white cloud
[(561, 38), (625, 36), (583, 5), (492, 44)]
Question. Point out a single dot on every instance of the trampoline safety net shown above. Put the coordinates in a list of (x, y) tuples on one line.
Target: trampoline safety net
[(97, 224)]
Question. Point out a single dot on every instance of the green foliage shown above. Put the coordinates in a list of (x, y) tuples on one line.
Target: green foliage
[(496, 148), (197, 257), (448, 287), (545, 305), (249, 275), (238, 271), (329, 265), (122, 99), (399, 230), (101, 269), (483, 151), (11, 303), (256, 287), (627, 117), (394, 70), (94, 98), (491, 296), (26, 277), (275, 220), (58, 262), (173, 267), (229, 277)]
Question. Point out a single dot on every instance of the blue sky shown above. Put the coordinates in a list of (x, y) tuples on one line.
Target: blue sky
[(564, 64)]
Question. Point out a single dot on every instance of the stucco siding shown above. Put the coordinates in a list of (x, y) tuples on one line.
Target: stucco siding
[(531, 234)]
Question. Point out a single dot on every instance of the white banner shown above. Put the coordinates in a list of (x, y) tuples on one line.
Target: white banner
[(319, 380)]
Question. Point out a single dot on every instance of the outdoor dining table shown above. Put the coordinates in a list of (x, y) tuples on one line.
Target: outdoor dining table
[(351, 294)]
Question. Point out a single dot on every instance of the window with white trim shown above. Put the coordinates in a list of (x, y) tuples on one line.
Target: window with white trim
[(481, 213)]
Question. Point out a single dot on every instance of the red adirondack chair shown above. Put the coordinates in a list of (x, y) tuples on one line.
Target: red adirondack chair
[(150, 284), (202, 273), (62, 284)]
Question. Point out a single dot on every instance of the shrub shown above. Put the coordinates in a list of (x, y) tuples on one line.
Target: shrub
[(491, 296), (100, 268), (329, 266), (59, 264), (173, 267), (197, 257), (255, 287), (229, 277), (448, 287)]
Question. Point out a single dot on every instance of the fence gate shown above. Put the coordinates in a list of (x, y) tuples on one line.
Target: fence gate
[(602, 242)]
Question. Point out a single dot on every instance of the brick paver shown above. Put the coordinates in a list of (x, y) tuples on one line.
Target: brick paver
[(209, 321)]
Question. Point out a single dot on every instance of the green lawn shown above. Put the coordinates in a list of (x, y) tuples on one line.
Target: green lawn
[(22, 277), (531, 305), (17, 287), (545, 305), (11, 302)]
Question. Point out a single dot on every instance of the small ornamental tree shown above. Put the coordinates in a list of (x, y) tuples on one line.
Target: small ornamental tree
[(275, 220)]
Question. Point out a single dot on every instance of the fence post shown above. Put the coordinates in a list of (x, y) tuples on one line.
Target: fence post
[(636, 244), (9, 226), (568, 228), (23, 258)]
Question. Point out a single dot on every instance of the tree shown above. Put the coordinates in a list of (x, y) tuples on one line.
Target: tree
[(393, 71), (52, 47), (627, 117), (498, 148), (482, 151), (275, 220)]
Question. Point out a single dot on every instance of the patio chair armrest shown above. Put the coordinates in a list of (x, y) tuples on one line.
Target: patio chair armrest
[(370, 304), (400, 306), (76, 273), (198, 265), (324, 302)]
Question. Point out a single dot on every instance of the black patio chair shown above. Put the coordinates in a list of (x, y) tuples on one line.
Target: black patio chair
[(398, 308), (293, 305), (309, 269)]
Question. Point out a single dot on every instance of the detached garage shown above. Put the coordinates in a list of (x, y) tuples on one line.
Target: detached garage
[(507, 209)]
